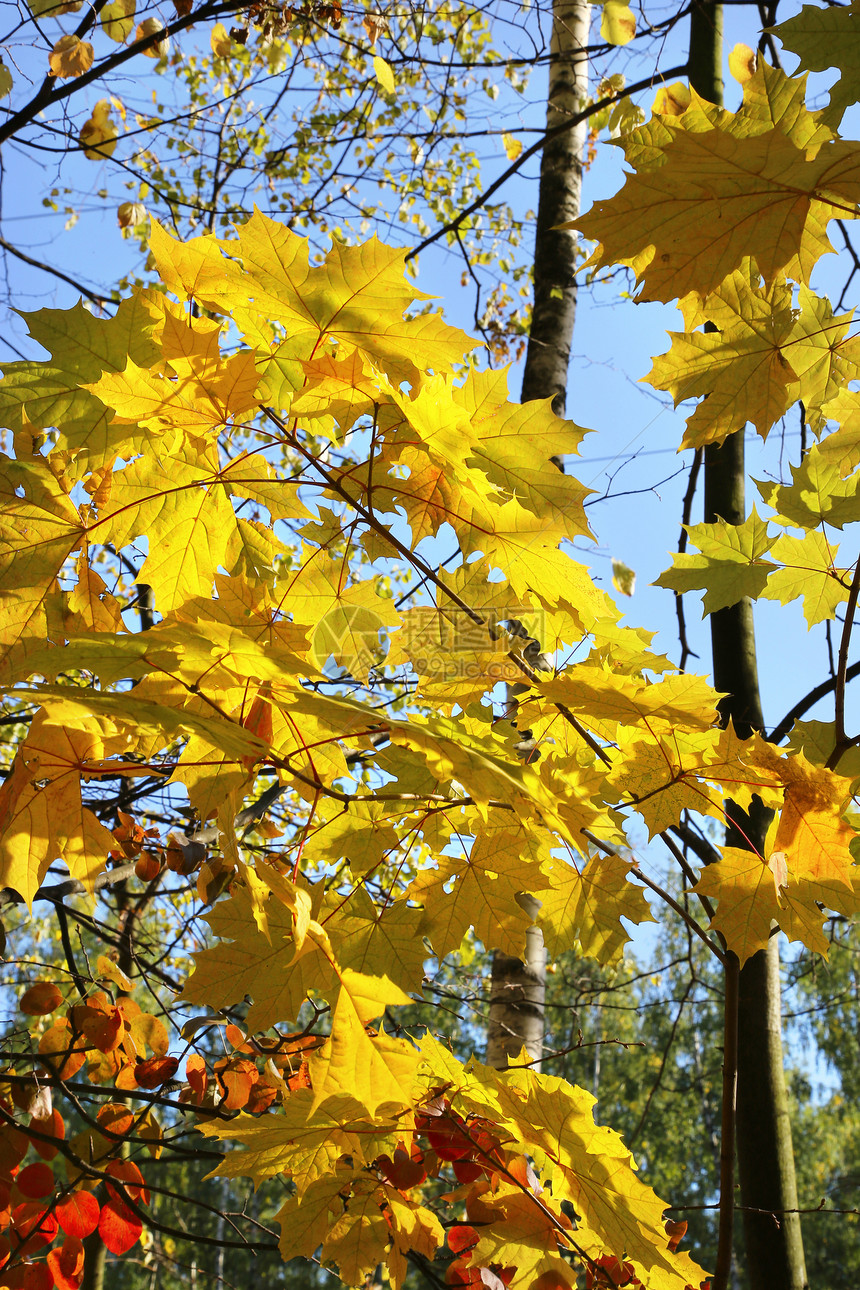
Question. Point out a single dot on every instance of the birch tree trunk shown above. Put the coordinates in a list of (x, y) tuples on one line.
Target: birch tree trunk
[(559, 197), (517, 989)]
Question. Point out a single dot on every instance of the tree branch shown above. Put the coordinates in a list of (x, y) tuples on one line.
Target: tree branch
[(527, 153)]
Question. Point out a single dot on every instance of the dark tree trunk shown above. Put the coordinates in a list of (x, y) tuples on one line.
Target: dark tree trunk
[(773, 1241)]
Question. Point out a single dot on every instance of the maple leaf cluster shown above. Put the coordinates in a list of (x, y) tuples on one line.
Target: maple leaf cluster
[(269, 543)]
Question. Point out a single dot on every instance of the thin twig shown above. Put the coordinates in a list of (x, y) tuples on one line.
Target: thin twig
[(570, 124), (843, 743), (808, 701), (686, 514)]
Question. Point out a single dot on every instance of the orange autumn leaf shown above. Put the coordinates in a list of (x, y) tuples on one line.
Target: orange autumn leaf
[(236, 1077), (40, 999), (67, 1264), (52, 1127), (155, 1071), (115, 1117), (127, 1173)]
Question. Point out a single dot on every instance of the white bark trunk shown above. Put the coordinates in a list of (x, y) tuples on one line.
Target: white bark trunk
[(517, 989)]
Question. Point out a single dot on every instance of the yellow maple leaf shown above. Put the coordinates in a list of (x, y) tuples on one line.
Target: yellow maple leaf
[(192, 270), (301, 1142), (357, 1221), (608, 700), (357, 296), (817, 492), (374, 1067), (809, 572), (815, 867), (349, 935), (305, 1220), (361, 833), (823, 39), (765, 356), (747, 899), (39, 526), (842, 447), (82, 347), (586, 905), (487, 878), (204, 401), (42, 814), (181, 504), (689, 216)]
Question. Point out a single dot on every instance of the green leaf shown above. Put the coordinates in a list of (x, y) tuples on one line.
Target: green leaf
[(729, 566)]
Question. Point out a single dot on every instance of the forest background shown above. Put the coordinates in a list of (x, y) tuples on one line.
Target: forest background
[(663, 1091)]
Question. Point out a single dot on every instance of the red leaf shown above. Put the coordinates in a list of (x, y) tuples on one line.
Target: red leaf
[(13, 1148), (402, 1171), (552, 1280), (127, 1172), (615, 1273), (462, 1238), (459, 1274), (27, 1276), (119, 1228), (35, 1181), (675, 1232), (33, 1226), (67, 1264), (78, 1214), (155, 1071), (198, 1078), (466, 1171), (449, 1138)]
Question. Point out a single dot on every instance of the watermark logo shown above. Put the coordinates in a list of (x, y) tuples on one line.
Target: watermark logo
[(443, 645), (457, 645)]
